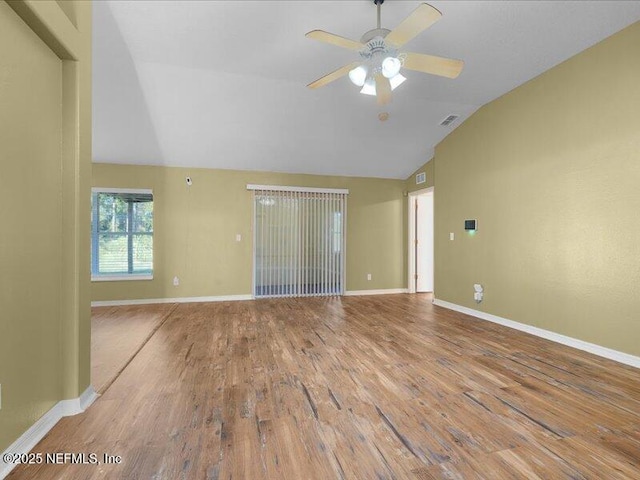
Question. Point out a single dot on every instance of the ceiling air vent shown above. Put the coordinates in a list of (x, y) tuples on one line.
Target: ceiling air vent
[(449, 120), (421, 177)]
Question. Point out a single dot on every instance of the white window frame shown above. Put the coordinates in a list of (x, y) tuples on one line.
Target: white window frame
[(119, 277)]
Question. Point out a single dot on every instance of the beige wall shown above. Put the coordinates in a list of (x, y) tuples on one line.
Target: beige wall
[(551, 171), (44, 171), (195, 229), (429, 170)]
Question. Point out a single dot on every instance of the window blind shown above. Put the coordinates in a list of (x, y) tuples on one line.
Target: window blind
[(122, 233), (299, 241)]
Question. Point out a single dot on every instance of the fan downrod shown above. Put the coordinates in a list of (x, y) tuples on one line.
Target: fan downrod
[(378, 4), (376, 32)]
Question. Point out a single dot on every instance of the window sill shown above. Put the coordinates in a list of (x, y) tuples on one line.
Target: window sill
[(119, 278)]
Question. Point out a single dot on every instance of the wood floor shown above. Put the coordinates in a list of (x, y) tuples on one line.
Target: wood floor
[(117, 333), (358, 388)]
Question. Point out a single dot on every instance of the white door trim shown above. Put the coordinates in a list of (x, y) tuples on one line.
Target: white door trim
[(411, 257)]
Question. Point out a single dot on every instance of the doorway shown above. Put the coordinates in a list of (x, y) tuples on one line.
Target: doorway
[(421, 257)]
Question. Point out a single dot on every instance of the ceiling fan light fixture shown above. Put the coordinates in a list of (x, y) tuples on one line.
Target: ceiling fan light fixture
[(378, 70), (396, 81), (391, 67), (358, 75), (369, 87)]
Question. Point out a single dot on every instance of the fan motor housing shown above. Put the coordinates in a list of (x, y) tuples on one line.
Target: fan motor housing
[(376, 32)]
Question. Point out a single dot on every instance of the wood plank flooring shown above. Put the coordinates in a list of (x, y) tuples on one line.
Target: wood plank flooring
[(117, 333), (353, 388)]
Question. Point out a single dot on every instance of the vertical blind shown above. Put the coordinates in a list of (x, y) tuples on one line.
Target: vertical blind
[(299, 241)]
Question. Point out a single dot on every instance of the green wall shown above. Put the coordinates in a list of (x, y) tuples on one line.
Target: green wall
[(551, 171), (45, 162), (429, 170), (195, 229)]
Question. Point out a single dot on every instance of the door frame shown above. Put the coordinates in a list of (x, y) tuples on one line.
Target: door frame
[(411, 252)]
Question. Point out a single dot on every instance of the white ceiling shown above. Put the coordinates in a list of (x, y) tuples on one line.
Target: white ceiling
[(222, 84)]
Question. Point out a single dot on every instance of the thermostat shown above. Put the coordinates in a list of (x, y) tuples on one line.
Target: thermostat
[(470, 224)]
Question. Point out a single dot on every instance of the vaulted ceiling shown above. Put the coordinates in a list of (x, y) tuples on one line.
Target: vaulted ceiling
[(222, 84)]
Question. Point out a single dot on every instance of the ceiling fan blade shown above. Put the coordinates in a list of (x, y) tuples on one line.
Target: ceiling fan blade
[(419, 20), (383, 89), (444, 67), (333, 39), (341, 72)]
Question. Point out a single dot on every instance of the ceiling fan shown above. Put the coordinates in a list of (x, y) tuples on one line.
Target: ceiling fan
[(378, 71)]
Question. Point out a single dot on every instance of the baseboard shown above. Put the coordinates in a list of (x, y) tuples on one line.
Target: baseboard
[(147, 301), (387, 291), (225, 298), (29, 439), (80, 404), (605, 352)]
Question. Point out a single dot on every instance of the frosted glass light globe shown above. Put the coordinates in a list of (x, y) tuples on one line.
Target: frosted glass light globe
[(369, 87), (396, 81), (358, 75), (390, 67)]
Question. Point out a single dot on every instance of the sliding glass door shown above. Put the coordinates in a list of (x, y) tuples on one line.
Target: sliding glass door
[(299, 241)]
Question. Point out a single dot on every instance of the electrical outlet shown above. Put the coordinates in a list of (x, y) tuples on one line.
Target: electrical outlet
[(452, 236), (176, 281), (478, 292), (238, 237), (368, 276)]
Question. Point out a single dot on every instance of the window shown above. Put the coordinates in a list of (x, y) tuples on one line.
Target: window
[(121, 234)]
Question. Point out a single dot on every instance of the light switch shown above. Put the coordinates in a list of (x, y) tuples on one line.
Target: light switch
[(451, 236)]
